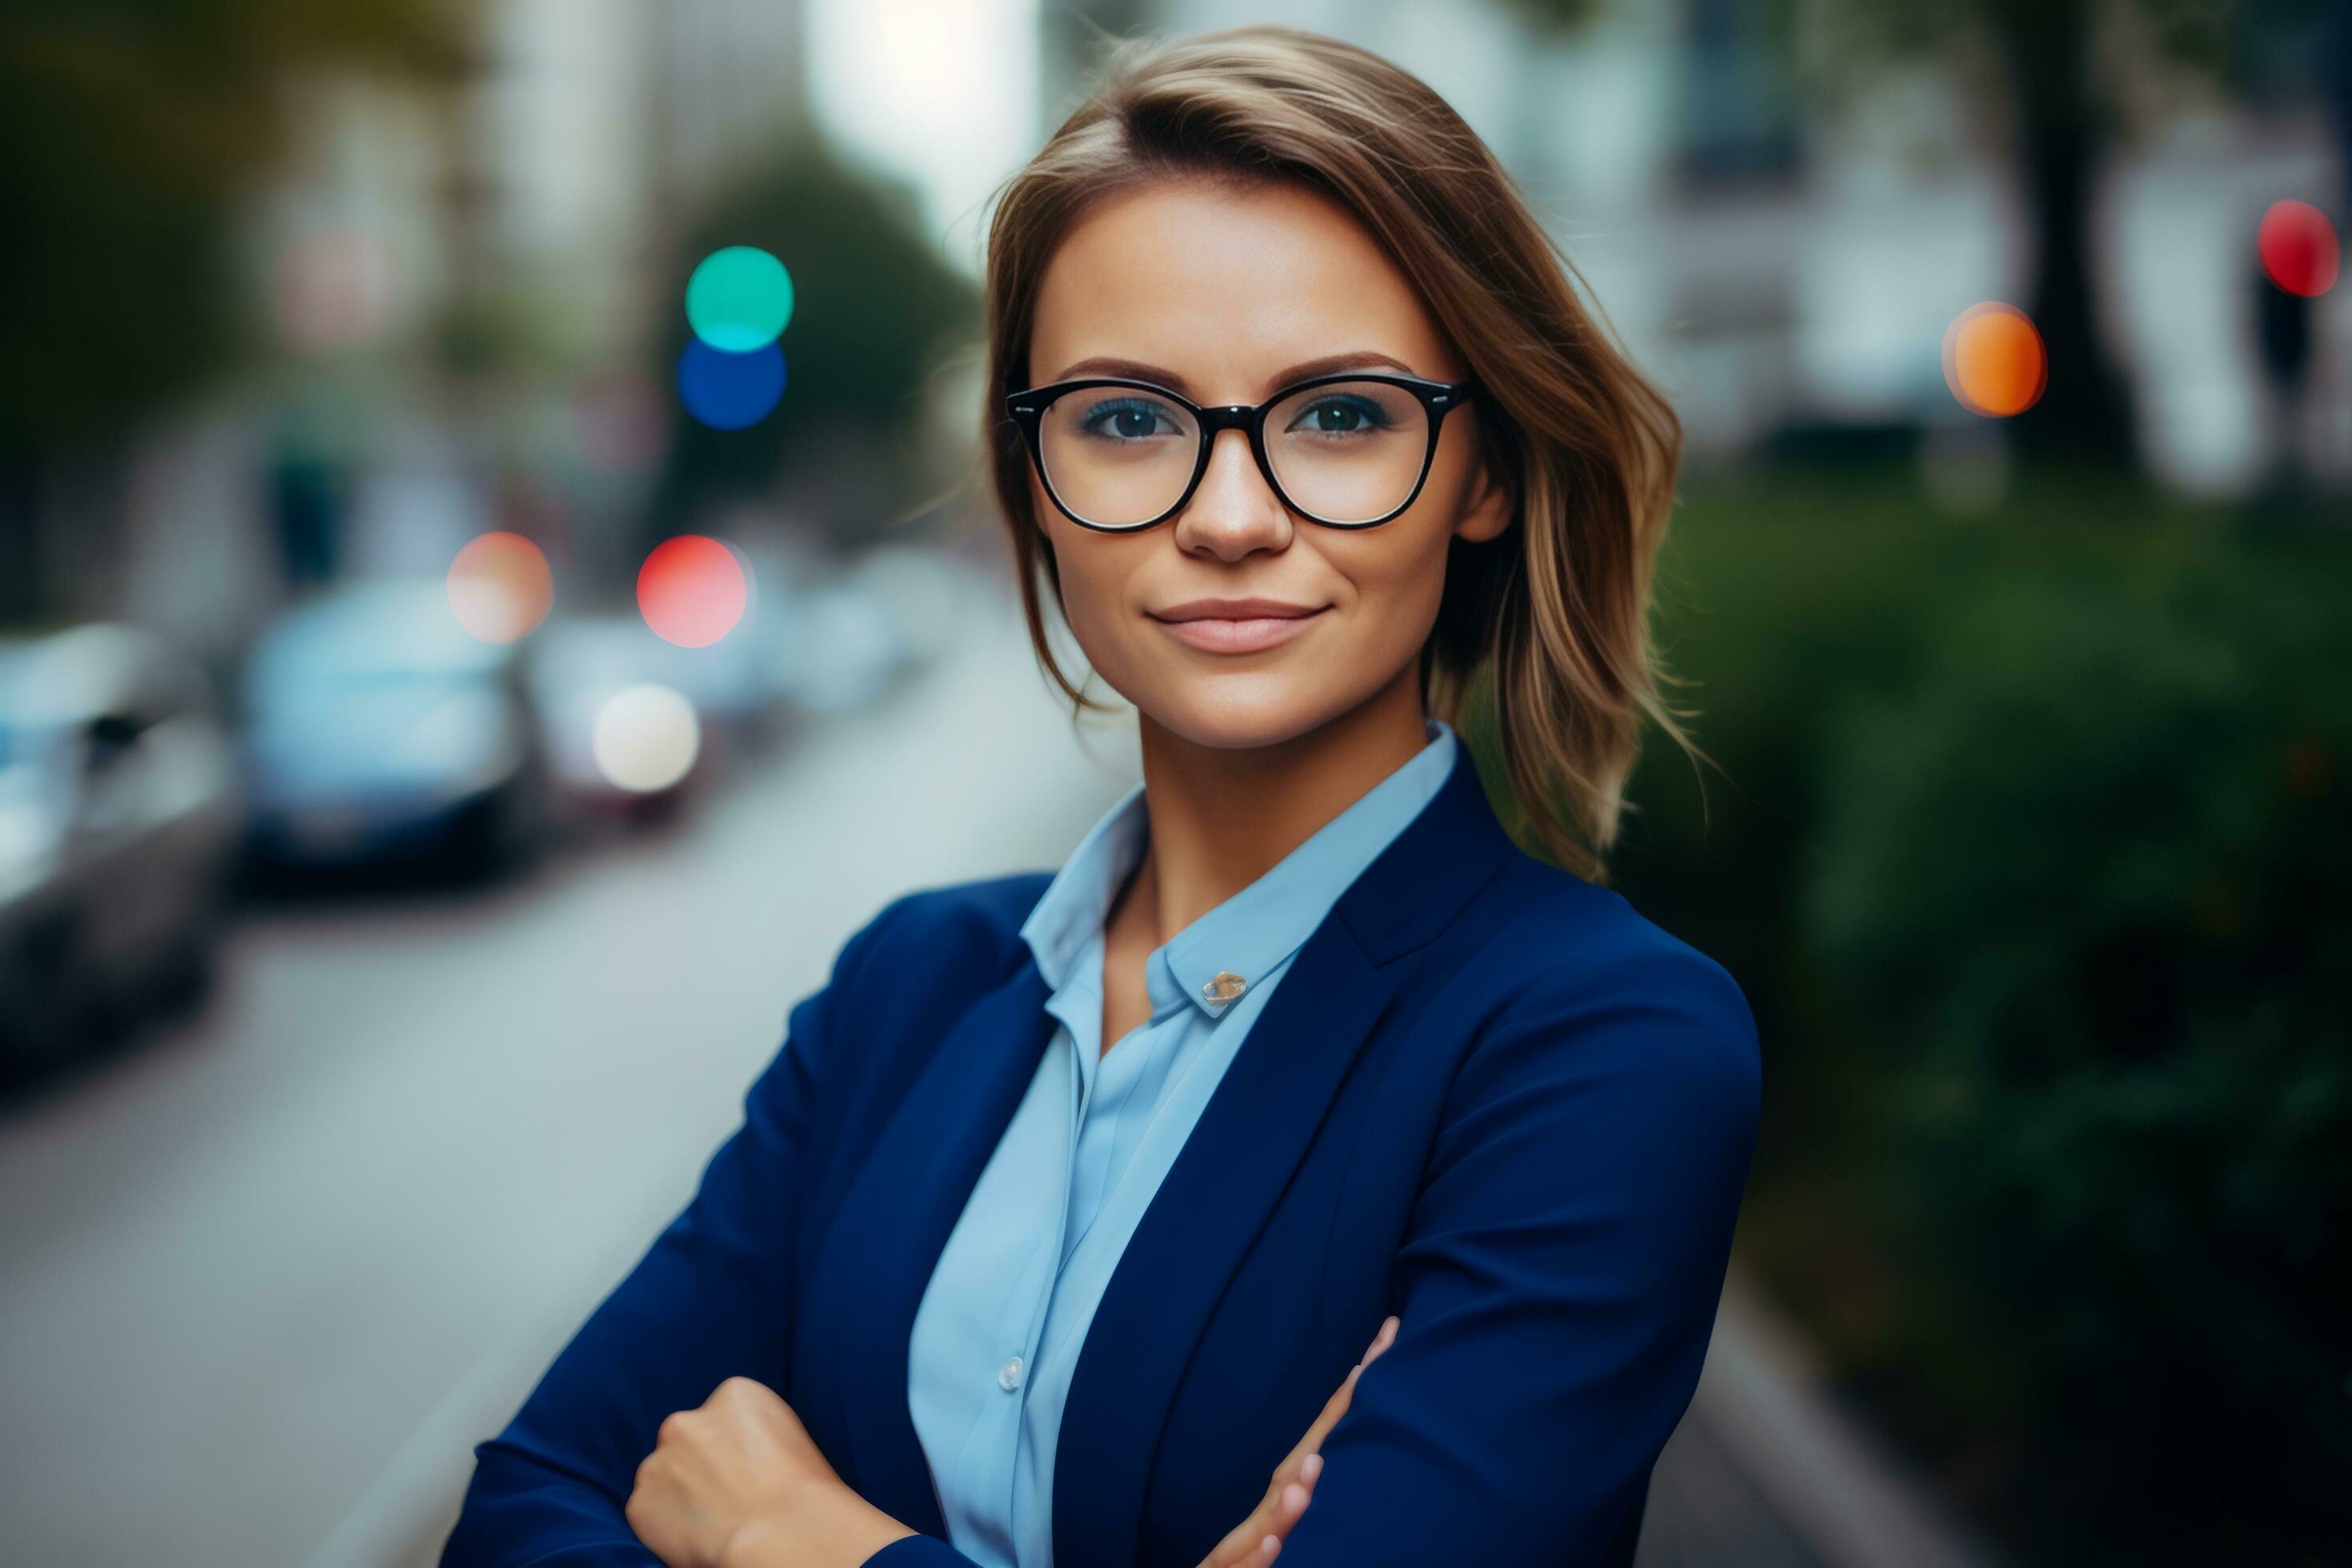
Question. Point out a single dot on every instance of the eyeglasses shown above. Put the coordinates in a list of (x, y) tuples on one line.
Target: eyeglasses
[(1347, 450)]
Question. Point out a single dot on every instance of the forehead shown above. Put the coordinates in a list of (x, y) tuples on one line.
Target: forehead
[(1226, 288)]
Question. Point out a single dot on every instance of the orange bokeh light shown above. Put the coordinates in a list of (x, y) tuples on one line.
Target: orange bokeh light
[(692, 590), (1993, 360), (501, 587)]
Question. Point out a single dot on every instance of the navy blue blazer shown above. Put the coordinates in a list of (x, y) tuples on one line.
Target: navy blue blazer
[(1489, 1097)]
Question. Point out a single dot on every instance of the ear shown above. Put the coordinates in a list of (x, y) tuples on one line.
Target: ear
[(1491, 503)]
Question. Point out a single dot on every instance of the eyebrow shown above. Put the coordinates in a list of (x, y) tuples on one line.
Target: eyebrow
[(1328, 364)]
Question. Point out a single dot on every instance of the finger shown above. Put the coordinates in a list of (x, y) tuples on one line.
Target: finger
[(1242, 1544), (1287, 1510), (1245, 1547), (1300, 1477), (1333, 1408), (1337, 1405), (1272, 1518)]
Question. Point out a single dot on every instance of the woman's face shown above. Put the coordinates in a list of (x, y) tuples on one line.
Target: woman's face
[(1224, 296)]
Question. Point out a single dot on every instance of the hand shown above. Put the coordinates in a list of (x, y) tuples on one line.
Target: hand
[(730, 1482), (1254, 1542)]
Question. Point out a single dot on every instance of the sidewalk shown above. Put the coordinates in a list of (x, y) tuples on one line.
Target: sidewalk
[(1767, 1472)]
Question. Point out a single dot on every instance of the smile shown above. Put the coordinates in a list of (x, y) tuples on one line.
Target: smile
[(1240, 636)]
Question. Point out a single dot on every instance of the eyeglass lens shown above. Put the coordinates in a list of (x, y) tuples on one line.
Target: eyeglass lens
[(1344, 451)]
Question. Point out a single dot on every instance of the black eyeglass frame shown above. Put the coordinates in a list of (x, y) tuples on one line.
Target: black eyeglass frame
[(1027, 409)]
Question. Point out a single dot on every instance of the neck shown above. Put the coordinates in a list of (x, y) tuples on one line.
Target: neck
[(1222, 817)]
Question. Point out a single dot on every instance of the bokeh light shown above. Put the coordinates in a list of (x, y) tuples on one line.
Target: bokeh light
[(501, 587), (2298, 247), (730, 391), (692, 590), (1993, 360), (644, 737), (739, 299)]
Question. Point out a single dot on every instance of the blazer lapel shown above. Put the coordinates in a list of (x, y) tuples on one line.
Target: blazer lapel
[(1251, 1137), (898, 1217)]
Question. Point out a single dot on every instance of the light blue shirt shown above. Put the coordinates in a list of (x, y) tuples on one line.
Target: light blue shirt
[(1007, 1307)]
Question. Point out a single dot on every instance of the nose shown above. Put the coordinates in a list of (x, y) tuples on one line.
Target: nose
[(1234, 512)]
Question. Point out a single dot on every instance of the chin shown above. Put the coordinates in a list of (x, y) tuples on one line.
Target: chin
[(1238, 713)]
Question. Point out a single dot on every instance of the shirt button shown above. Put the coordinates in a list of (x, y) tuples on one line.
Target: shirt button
[(1008, 1376), (1223, 986)]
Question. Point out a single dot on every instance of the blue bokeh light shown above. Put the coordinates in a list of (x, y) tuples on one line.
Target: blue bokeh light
[(730, 391)]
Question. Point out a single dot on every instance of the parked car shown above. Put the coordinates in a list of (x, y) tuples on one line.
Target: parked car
[(842, 645), (379, 731), (118, 815), (627, 728), (927, 591), (737, 683)]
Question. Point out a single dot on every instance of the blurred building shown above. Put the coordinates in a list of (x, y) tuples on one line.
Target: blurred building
[(1783, 259), (454, 281), (460, 278)]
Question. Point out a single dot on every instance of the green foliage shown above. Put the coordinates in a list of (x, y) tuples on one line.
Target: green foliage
[(876, 307), (2089, 874), (2031, 856), (133, 127)]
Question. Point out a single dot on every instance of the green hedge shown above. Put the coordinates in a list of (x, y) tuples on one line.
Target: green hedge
[(2034, 855)]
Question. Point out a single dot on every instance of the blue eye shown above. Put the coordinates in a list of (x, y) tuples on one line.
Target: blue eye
[(1342, 415), (1126, 419)]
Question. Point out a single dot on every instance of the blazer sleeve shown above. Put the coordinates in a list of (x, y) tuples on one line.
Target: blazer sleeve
[(1556, 1285), (1558, 1282), (709, 1299)]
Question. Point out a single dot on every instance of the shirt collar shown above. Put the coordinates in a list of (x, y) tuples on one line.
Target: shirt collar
[(1260, 926)]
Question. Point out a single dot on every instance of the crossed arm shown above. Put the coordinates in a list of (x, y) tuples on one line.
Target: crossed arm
[(1559, 1282), (1558, 1286), (710, 1300)]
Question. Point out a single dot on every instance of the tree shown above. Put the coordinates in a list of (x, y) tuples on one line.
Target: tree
[(875, 306), (2064, 95), (133, 129)]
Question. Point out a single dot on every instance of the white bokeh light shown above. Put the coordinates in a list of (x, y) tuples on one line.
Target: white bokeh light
[(644, 737)]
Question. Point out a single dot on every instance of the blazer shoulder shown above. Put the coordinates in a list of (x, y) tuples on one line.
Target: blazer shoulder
[(979, 918)]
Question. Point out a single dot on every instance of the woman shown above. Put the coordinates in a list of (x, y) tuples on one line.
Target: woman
[(1050, 1224)]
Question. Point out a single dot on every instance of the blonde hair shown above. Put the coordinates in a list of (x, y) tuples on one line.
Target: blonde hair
[(1587, 447)]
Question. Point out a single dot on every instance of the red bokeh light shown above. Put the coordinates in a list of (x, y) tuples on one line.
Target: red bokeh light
[(2298, 247), (692, 590)]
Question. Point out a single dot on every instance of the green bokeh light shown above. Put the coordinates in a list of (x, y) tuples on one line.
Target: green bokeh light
[(739, 299)]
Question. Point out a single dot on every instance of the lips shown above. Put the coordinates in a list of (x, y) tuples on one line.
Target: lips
[(1240, 633)]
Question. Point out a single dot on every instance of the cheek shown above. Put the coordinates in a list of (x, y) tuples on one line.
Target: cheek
[(1092, 570), (1399, 586)]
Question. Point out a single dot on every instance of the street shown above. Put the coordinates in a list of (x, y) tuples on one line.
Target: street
[(413, 1138)]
